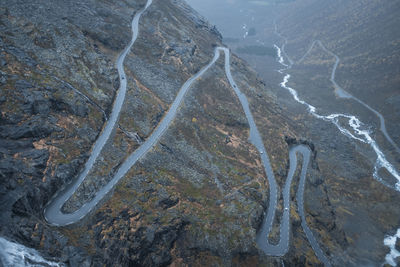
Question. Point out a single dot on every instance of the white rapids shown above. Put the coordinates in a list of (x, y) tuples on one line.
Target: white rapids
[(17, 255), (390, 241), (359, 134)]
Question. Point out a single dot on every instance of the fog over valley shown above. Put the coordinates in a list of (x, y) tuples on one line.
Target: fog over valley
[(199, 133)]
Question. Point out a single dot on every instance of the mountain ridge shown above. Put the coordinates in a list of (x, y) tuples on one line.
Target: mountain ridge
[(170, 198)]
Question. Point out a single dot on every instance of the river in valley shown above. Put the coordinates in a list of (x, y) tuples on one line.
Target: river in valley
[(358, 134), (53, 211)]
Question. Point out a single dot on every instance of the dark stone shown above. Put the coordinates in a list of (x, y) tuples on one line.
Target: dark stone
[(150, 233), (290, 140), (7, 168), (20, 207), (41, 107), (168, 202), (44, 41), (3, 76), (37, 157), (112, 43), (257, 219), (166, 148), (74, 105), (23, 85), (2, 100), (75, 257), (3, 62), (66, 171), (3, 80), (215, 31), (397, 246), (21, 56), (14, 146), (36, 127)]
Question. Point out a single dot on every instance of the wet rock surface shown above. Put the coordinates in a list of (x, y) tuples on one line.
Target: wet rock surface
[(348, 211), (197, 198)]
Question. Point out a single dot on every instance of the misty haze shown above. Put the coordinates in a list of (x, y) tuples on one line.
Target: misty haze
[(199, 133)]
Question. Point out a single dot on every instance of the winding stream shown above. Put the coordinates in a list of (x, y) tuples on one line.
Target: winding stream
[(359, 133), (390, 241), (344, 94), (339, 91)]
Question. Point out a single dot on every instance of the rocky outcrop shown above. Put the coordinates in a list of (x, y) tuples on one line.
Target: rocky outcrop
[(194, 199)]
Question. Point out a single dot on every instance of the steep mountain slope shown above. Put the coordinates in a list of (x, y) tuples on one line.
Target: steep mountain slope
[(357, 210), (196, 198), (363, 35)]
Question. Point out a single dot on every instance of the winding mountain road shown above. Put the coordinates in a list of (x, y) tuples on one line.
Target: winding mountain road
[(340, 92), (282, 247), (53, 211), (344, 94), (359, 133), (255, 138)]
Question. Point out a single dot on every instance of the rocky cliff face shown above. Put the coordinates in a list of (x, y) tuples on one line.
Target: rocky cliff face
[(364, 36), (197, 198), (348, 209)]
